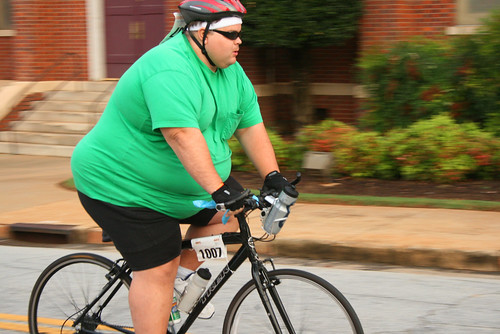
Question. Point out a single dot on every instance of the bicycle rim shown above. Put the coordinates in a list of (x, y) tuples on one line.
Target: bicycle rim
[(65, 288), (312, 304)]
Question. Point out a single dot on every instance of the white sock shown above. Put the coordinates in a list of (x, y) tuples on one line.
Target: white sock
[(183, 273)]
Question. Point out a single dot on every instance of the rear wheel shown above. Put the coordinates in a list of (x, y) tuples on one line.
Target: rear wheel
[(312, 304), (68, 285)]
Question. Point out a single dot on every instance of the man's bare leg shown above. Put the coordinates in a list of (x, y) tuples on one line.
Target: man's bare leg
[(214, 227), (150, 297)]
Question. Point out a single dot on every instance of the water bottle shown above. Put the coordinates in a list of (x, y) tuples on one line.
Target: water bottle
[(175, 315), (194, 290), (273, 220)]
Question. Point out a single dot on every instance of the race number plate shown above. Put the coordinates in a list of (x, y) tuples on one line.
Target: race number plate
[(209, 248)]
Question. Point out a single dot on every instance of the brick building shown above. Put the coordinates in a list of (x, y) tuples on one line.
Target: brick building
[(99, 39)]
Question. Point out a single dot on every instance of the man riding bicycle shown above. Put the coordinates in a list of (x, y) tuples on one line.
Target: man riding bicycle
[(161, 143)]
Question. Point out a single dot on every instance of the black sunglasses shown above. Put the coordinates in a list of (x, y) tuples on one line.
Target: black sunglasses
[(232, 35)]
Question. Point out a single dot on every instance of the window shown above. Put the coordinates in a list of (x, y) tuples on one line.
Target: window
[(5, 21), (470, 12)]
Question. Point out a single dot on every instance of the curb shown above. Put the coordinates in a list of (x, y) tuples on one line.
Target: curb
[(414, 257), (305, 249)]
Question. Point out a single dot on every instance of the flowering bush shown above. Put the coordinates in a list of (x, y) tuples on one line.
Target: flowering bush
[(484, 149), (441, 150), (437, 149), (359, 155), (324, 136)]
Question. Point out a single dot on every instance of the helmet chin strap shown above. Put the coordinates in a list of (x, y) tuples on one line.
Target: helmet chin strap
[(200, 45)]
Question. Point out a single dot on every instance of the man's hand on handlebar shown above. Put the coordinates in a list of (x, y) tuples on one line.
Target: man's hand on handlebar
[(274, 183), (230, 197)]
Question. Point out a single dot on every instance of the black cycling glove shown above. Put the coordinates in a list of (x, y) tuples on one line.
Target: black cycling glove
[(274, 183), (230, 197)]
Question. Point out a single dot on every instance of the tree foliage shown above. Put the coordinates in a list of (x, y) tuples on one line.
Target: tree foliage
[(300, 24)]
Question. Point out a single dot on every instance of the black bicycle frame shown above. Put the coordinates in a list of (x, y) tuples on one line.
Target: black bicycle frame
[(116, 273), (259, 275)]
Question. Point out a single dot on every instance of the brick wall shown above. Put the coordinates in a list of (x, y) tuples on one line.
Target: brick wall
[(333, 64), (385, 22), (47, 30), (6, 58), (50, 41), (341, 107), (336, 63)]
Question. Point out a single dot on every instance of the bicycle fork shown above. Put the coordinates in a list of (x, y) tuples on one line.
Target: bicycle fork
[(264, 286), (263, 282)]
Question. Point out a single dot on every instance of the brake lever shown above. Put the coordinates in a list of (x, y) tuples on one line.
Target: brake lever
[(212, 205), (298, 177)]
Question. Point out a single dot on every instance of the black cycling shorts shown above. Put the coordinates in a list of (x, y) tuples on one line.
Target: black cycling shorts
[(145, 238)]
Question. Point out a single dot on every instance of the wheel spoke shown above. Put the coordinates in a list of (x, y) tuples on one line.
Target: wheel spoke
[(67, 287), (312, 305)]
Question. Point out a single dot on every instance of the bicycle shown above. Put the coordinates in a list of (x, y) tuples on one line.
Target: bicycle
[(87, 293)]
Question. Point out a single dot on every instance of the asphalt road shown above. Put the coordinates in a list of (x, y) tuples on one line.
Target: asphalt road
[(387, 299)]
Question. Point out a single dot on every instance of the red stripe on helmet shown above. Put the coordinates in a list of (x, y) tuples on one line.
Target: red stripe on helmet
[(217, 4), (237, 4)]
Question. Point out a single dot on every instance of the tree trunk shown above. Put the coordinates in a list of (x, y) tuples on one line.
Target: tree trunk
[(301, 88)]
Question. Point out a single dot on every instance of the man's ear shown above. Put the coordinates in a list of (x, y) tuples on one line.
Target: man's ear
[(200, 33)]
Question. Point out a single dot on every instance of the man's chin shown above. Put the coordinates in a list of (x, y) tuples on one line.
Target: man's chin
[(226, 65)]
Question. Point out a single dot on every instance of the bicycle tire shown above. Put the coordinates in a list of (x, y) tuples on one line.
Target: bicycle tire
[(66, 286), (312, 304)]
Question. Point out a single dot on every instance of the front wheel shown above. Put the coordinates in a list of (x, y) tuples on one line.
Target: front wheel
[(64, 291), (312, 305)]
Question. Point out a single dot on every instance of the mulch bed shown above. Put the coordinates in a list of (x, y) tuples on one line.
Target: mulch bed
[(317, 184)]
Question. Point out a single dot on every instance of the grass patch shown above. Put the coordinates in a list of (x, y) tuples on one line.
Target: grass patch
[(400, 202), (407, 202), (68, 184)]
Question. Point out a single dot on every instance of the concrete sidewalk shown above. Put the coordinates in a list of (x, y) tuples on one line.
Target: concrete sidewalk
[(453, 239)]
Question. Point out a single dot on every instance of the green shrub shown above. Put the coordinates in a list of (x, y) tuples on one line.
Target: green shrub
[(438, 149), (477, 84), (412, 81), (484, 148), (239, 159), (441, 150), (421, 78), (282, 150), (323, 136), (359, 155)]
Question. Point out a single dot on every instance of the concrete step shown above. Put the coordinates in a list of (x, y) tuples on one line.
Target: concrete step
[(63, 139), (80, 86), (36, 149), (91, 86), (51, 127), (56, 124), (61, 116), (70, 106), (77, 96)]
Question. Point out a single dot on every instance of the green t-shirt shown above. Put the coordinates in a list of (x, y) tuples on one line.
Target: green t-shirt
[(125, 160)]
